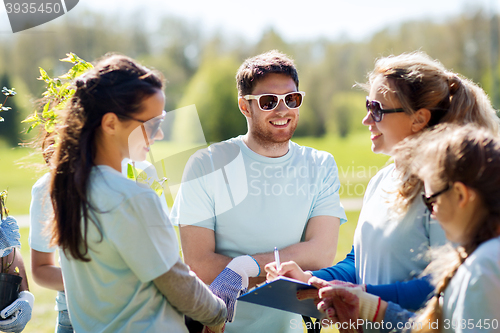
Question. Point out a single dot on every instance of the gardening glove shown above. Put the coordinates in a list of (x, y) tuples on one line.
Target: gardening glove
[(16, 316), (214, 329), (9, 236), (233, 281), (347, 284), (369, 304)]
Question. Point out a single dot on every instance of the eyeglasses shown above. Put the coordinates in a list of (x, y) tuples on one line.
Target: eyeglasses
[(151, 126), (429, 201), (376, 111), (269, 102)]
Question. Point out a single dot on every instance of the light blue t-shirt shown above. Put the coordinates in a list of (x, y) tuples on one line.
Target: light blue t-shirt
[(254, 203), (41, 211), (390, 248), (472, 299), (114, 291)]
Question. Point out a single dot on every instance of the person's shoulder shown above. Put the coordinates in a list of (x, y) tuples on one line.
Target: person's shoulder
[(42, 184), (111, 184), (309, 153), (487, 255), (216, 155), (385, 172)]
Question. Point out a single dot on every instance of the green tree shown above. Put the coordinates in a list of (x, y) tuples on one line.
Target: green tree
[(345, 113), (213, 91), (10, 131)]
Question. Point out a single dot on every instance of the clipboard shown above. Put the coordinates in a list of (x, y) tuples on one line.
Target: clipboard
[(281, 294)]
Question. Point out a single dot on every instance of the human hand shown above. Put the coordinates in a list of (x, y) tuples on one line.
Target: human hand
[(214, 329), (319, 283), (333, 301), (289, 269), (9, 236), (15, 316), (233, 281)]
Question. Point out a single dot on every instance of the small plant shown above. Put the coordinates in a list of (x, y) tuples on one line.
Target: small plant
[(4, 211), (59, 92), (8, 93), (6, 264)]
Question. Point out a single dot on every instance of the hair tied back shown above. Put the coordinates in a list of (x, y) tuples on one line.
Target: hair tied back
[(454, 83), (79, 83)]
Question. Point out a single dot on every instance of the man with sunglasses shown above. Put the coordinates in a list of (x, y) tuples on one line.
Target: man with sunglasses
[(291, 201)]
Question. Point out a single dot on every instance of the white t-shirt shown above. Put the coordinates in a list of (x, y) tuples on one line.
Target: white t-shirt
[(390, 249), (114, 292), (472, 299), (254, 203)]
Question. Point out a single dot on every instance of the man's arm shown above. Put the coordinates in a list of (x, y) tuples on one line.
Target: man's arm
[(198, 248), (317, 251)]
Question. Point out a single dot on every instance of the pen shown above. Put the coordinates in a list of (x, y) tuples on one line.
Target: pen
[(277, 258)]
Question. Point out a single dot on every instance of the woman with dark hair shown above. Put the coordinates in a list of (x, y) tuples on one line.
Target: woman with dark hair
[(120, 258)]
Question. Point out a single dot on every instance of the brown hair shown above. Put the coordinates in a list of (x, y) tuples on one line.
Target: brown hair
[(449, 154), (418, 81), (116, 84), (256, 68)]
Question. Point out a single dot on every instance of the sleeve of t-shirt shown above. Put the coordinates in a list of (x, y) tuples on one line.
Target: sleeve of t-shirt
[(40, 212), (395, 318), (411, 295), (144, 236), (328, 200), (479, 297), (193, 204), (344, 270)]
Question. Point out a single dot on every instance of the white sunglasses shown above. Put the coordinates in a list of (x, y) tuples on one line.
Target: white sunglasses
[(269, 102)]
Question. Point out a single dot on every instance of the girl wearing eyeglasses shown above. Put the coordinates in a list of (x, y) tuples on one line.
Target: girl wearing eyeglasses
[(460, 169), (120, 257), (407, 94)]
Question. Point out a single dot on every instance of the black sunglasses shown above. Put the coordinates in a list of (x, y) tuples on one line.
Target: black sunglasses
[(269, 102), (376, 111), (429, 201)]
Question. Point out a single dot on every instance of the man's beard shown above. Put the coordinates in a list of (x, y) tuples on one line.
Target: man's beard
[(267, 139)]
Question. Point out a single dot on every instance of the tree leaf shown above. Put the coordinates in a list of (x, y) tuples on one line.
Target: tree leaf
[(155, 186), (130, 172), (9, 92), (43, 75)]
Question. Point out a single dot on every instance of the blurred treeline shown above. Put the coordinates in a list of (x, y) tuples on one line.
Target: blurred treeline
[(200, 69)]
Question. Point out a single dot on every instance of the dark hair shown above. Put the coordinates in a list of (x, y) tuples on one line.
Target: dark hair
[(256, 68), (116, 84), (465, 154)]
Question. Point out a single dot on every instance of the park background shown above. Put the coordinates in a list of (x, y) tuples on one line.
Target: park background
[(199, 46)]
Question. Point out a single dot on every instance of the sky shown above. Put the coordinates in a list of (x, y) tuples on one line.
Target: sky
[(294, 20)]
